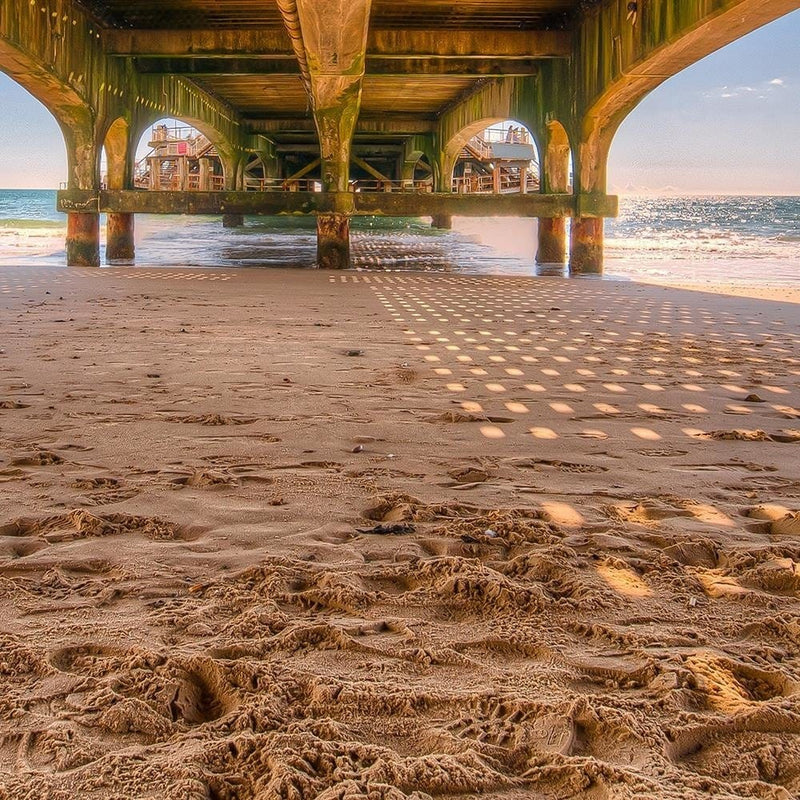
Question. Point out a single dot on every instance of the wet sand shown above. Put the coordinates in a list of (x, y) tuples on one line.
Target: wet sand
[(273, 534)]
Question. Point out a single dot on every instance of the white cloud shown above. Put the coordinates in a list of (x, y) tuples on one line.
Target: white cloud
[(777, 82)]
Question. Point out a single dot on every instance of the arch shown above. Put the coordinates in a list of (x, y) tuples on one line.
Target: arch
[(639, 73), (71, 112), (254, 173), (417, 167), (460, 140), (187, 155)]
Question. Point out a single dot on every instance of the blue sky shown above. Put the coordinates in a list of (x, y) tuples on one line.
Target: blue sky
[(729, 124)]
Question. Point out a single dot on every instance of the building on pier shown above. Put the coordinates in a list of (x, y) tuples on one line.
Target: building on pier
[(498, 160), (181, 159)]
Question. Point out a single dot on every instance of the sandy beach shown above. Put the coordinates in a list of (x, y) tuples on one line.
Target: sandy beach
[(276, 534)]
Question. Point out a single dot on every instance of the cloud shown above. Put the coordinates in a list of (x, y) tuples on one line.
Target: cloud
[(757, 92)]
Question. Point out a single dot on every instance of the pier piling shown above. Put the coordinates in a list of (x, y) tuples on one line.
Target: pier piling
[(120, 238), (83, 240)]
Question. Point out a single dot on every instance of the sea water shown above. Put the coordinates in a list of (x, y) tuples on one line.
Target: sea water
[(690, 239)]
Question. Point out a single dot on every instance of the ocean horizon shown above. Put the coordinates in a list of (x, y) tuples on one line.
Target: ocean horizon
[(745, 239)]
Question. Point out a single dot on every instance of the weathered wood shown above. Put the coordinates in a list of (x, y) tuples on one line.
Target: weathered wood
[(409, 43)]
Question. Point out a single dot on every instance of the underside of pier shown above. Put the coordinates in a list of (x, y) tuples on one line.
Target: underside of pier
[(324, 89)]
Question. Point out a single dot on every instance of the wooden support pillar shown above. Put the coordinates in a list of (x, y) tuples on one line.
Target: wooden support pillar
[(586, 246), (154, 174), (232, 220), (183, 174), (83, 240), (119, 238), (442, 221), (205, 174)]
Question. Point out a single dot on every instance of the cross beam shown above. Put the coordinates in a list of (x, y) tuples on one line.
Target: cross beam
[(274, 42), (423, 67), (390, 204)]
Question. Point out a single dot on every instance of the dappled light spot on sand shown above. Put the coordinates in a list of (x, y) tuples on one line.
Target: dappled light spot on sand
[(623, 580), (606, 408), (562, 514), (646, 433), (492, 432), (543, 433)]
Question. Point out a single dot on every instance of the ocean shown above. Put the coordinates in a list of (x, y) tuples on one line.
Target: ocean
[(695, 240)]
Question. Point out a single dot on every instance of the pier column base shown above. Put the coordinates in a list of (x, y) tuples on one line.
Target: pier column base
[(586, 246), (442, 221), (119, 238), (83, 240), (333, 241), (232, 220), (552, 241)]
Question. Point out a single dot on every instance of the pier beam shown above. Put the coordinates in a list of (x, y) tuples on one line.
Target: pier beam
[(120, 244), (83, 240), (232, 220), (442, 221)]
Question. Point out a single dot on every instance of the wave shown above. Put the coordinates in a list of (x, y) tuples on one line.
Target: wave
[(32, 224)]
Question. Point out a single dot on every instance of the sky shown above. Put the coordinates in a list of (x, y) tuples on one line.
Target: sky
[(729, 124)]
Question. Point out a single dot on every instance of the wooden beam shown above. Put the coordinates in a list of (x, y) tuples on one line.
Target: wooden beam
[(388, 43), (396, 204), (305, 170), (368, 168), (376, 65), (388, 125)]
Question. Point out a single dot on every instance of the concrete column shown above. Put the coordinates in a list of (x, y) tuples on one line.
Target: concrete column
[(232, 220), (586, 246), (119, 238), (333, 241), (586, 239), (442, 221), (83, 240), (555, 178), (552, 241)]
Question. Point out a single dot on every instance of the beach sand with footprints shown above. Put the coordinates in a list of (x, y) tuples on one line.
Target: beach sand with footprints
[(273, 534)]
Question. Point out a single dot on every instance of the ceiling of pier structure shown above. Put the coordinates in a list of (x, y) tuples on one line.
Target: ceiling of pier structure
[(422, 56)]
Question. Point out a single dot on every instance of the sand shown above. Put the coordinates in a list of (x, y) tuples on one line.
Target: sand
[(272, 534)]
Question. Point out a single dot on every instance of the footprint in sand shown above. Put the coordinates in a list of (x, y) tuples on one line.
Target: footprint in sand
[(210, 419), (80, 524), (43, 458), (741, 435)]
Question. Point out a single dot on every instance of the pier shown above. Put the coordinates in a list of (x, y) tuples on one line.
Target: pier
[(333, 108)]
